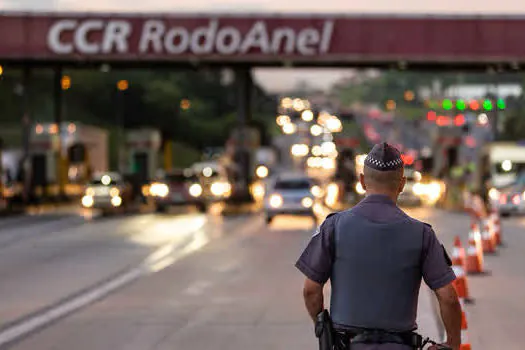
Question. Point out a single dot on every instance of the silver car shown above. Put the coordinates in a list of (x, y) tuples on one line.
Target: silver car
[(291, 195)]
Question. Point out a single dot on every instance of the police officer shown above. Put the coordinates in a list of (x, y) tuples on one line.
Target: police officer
[(375, 257)]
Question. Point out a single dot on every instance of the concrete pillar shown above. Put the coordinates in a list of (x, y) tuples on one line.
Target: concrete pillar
[(244, 82), (58, 119), (26, 132)]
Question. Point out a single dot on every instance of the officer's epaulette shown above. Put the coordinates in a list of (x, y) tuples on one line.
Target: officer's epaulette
[(427, 224), (332, 214)]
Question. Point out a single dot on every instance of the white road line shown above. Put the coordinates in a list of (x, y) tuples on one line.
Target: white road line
[(155, 262), (160, 259), (18, 330)]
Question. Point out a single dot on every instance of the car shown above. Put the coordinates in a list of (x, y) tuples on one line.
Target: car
[(214, 182), (510, 199), (291, 195), (107, 191), (176, 188), (411, 194)]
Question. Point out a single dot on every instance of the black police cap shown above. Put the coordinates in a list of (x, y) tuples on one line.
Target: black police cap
[(384, 157)]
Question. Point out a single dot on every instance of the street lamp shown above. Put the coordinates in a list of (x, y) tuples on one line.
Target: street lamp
[(65, 82), (307, 115), (185, 104), (289, 128), (409, 95), (316, 130), (122, 85)]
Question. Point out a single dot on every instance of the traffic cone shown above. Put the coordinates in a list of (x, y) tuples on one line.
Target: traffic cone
[(486, 238), (458, 266), (496, 227), (458, 253), (465, 342), (474, 259)]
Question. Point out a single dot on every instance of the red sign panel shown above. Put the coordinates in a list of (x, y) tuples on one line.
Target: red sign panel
[(261, 39)]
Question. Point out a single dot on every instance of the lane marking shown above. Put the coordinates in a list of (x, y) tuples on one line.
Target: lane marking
[(157, 261), (160, 259)]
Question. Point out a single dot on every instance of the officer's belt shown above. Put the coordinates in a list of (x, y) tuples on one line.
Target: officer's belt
[(379, 336)]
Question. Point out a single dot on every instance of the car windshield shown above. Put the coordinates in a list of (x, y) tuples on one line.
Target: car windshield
[(295, 184), (176, 178), (99, 182)]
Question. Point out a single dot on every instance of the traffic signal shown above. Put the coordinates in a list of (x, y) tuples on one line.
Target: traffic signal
[(487, 105), (501, 103), (447, 104), (461, 105)]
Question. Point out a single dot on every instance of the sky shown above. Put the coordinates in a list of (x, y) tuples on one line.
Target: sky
[(279, 80)]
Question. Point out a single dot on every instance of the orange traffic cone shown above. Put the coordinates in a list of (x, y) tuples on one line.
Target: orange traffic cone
[(458, 253), (458, 266), (465, 343), (474, 260), (496, 225), (486, 238)]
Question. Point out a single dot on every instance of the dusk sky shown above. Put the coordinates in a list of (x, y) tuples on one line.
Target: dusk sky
[(278, 80)]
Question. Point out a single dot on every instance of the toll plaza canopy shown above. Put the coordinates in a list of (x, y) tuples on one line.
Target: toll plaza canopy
[(263, 40)]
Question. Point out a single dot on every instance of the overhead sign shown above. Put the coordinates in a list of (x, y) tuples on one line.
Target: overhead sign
[(263, 39), (160, 37)]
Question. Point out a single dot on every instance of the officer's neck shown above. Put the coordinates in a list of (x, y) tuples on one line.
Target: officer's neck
[(391, 195)]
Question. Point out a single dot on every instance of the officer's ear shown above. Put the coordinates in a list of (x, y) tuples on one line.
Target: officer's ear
[(362, 181), (402, 184)]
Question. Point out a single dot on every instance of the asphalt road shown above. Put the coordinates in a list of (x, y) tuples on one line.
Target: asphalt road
[(194, 281)]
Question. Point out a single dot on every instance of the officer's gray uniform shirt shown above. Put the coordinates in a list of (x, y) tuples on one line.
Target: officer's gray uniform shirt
[(381, 296)]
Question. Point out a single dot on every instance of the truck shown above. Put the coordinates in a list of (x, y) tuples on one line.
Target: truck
[(499, 164)]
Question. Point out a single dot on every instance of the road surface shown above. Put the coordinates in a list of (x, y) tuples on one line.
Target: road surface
[(193, 281)]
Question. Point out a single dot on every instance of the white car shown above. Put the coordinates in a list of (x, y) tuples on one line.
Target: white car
[(108, 192), (291, 195)]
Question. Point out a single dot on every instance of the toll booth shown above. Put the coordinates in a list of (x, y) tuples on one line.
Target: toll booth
[(142, 154), (43, 158), (445, 142), (84, 150)]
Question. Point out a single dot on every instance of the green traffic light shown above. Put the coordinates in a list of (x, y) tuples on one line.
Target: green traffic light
[(501, 104), (447, 104), (461, 105), (487, 105)]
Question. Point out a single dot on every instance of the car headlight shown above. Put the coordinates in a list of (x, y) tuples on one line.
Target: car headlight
[(262, 171), (494, 194), (316, 191), (90, 192), (159, 190), (116, 201), (276, 201), (359, 188), (258, 191), (307, 202), (220, 188), (419, 189), (87, 201), (114, 192), (195, 190)]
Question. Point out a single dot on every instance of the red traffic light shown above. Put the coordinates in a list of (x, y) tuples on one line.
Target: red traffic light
[(443, 120), (459, 120), (431, 115)]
